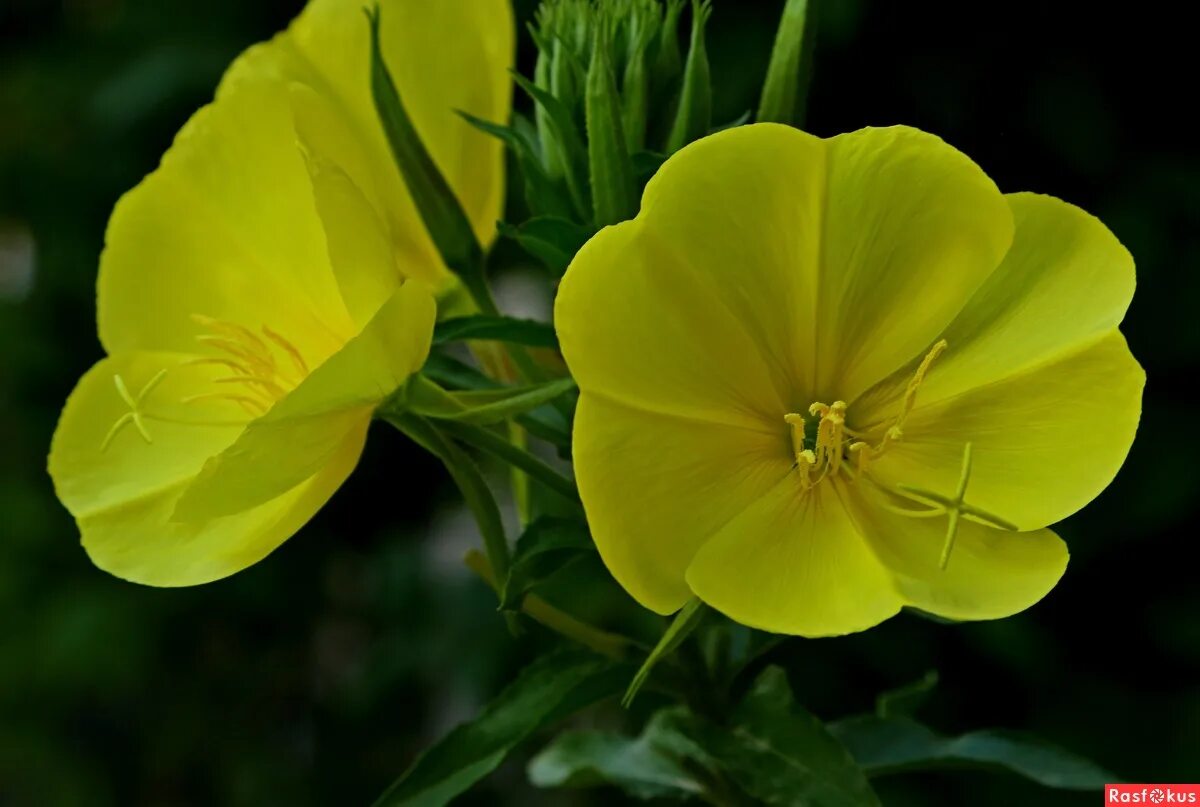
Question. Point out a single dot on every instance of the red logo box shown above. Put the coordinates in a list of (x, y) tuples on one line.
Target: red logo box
[(1115, 795)]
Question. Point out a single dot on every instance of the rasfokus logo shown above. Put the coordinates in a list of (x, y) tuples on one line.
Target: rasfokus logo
[(1151, 794)]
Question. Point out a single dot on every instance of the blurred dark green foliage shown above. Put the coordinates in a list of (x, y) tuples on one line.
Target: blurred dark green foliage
[(315, 677)]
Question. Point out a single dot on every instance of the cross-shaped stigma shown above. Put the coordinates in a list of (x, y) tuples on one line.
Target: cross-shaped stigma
[(955, 508), (135, 414)]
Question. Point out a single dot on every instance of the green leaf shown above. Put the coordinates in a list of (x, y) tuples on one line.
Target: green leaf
[(551, 239), (896, 744), (560, 122), (547, 690), (646, 767), (693, 118), (905, 700), (668, 64), (785, 90), (686, 621), (614, 195), (546, 547), (435, 201), (496, 328), (545, 423), (478, 407), (543, 194), (476, 494), (779, 754)]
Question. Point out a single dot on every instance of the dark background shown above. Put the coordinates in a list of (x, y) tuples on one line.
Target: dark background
[(314, 677)]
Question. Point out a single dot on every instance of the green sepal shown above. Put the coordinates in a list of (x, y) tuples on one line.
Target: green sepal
[(561, 123), (785, 90), (686, 621), (693, 118), (543, 194), (642, 29), (435, 201), (614, 195)]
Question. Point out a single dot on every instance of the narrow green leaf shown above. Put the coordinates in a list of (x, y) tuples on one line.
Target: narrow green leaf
[(544, 423), (614, 195), (693, 118), (686, 621), (482, 407), (546, 547), (646, 767), (779, 754), (543, 194), (516, 456), (435, 201), (905, 700), (546, 691), (575, 157), (496, 328), (552, 239), (896, 744), (785, 90), (476, 494)]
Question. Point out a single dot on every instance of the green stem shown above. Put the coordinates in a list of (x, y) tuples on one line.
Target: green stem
[(466, 475), (492, 443), (612, 645)]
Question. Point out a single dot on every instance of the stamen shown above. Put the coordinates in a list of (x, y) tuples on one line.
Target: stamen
[(796, 422), (805, 460), (288, 348), (251, 405), (914, 384)]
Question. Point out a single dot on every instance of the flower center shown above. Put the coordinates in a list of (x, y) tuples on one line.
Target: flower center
[(824, 445), (263, 368)]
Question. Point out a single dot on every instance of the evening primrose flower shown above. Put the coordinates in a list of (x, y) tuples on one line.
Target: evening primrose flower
[(265, 288), (822, 380)]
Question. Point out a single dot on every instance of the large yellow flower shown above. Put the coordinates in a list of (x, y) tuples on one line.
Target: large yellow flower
[(269, 284), (825, 379)]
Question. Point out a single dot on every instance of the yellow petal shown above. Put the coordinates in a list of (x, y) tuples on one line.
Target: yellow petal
[(444, 56), (795, 564), (225, 227), (308, 428), (991, 573), (140, 541), (1046, 440), (1060, 255), (912, 228), (644, 326), (655, 487), (701, 306), (96, 470)]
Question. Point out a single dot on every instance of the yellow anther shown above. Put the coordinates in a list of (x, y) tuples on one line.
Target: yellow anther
[(796, 422), (806, 460), (862, 455), (818, 409)]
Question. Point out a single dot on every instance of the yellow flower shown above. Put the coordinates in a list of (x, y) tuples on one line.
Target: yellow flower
[(825, 379), (252, 296)]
